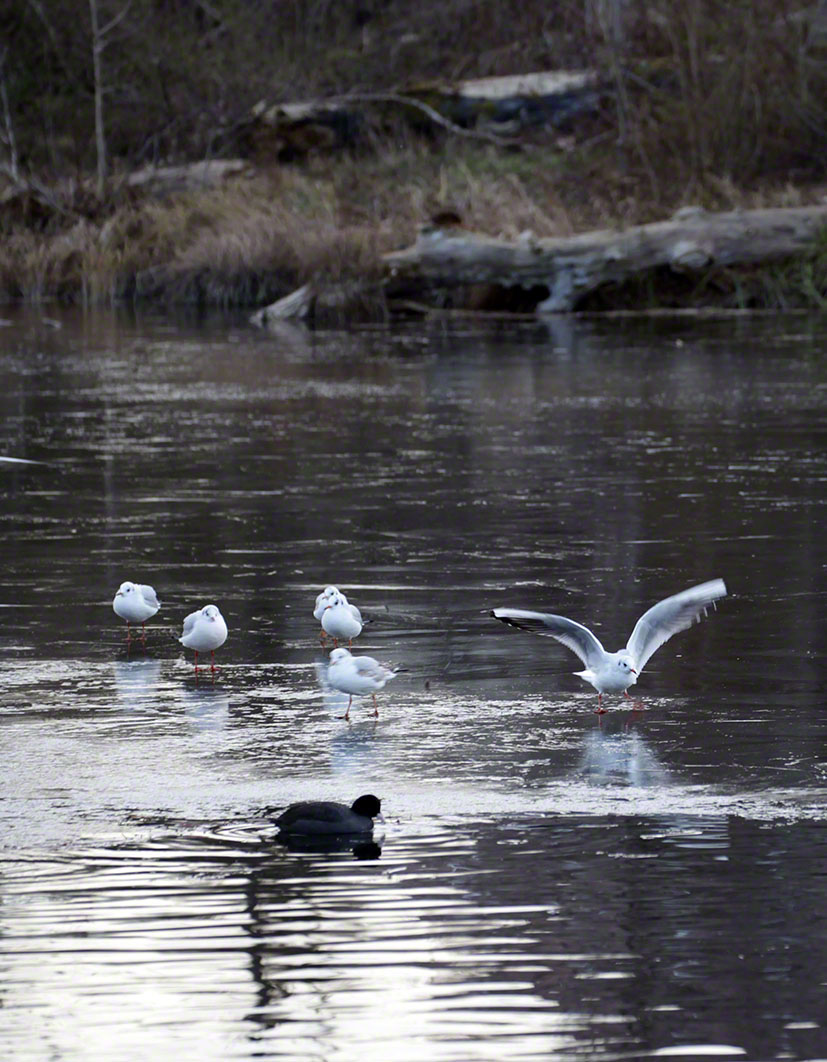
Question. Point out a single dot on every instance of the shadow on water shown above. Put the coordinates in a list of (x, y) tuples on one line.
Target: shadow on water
[(549, 884)]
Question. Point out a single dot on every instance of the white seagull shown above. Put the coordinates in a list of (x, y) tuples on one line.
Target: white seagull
[(341, 619), (615, 672), (321, 602), (136, 603), (204, 631), (357, 675)]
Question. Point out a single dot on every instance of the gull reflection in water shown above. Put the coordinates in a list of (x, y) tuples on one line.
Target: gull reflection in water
[(334, 701), (207, 707), (353, 748), (620, 758), (136, 682)]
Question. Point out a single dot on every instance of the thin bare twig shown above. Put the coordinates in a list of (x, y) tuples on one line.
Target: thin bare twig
[(115, 20), (51, 33)]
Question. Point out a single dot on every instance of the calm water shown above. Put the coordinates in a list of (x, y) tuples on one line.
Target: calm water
[(548, 886)]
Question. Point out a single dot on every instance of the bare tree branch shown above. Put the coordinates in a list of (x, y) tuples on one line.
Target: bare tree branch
[(51, 33), (432, 113), (11, 142), (116, 20)]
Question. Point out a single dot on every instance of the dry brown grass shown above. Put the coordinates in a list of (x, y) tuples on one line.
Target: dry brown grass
[(254, 239), (720, 105), (246, 241)]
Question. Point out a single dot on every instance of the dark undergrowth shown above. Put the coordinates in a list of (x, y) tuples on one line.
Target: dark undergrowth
[(721, 106)]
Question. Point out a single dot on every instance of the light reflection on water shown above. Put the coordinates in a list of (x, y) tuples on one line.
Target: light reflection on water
[(436, 948), (548, 885)]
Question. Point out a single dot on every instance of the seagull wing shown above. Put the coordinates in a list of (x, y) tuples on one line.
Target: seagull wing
[(149, 595), (573, 635), (669, 616), (190, 622), (369, 667)]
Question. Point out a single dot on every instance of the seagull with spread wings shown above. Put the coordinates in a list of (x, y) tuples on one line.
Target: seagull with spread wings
[(615, 672)]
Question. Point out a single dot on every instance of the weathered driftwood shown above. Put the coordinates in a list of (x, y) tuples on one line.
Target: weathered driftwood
[(492, 108), (287, 131), (298, 304), (509, 105), (554, 275), (164, 180), (36, 205), (563, 270), (348, 300)]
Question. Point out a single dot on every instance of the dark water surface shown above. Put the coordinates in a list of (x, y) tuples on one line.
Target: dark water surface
[(548, 886)]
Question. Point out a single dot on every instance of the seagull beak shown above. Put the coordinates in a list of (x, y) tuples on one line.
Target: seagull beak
[(633, 670), (119, 593)]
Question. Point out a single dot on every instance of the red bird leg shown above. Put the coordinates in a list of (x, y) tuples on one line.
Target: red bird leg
[(347, 713), (196, 661), (600, 709), (143, 632), (128, 633), (375, 709), (212, 660)]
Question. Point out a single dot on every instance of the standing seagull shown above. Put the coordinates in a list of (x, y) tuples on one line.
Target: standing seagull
[(357, 675), (615, 672), (341, 619), (321, 602), (136, 603), (325, 598), (204, 631)]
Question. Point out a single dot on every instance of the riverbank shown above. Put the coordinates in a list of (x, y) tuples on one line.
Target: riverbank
[(251, 234), (339, 135)]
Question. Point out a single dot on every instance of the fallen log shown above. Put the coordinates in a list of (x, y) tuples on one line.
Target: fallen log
[(554, 275), (494, 109), (290, 131), (335, 302), (172, 180), (561, 271), (513, 104), (298, 305)]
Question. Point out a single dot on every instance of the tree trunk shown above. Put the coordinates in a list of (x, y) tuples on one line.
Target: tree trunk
[(11, 142), (97, 74)]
